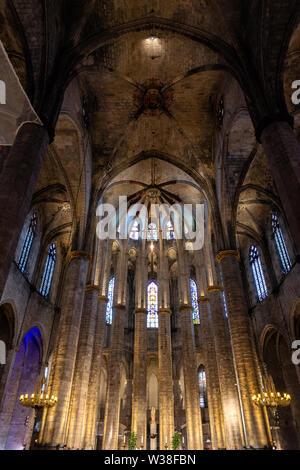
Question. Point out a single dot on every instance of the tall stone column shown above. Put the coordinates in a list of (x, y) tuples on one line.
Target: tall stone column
[(212, 378), (165, 380), (55, 427), (92, 406), (101, 276), (191, 387), (82, 368), (112, 406), (282, 149), (17, 183), (239, 325), (139, 385), (227, 380)]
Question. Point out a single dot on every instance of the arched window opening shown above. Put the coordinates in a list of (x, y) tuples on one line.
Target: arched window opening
[(152, 233), (134, 232), (48, 271), (281, 245), (258, 275), (109, 305), (202, 387), (152, 305), (194, 294), (170, 231), (25, 252)]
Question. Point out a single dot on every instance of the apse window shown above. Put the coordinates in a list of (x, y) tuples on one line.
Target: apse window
[(170, 231), (258, 274), (194, 295), (152, 305), (24, 256), (202, 387), (109, 305), (281, 245), (134, 232), (48, 271), (152, 233)]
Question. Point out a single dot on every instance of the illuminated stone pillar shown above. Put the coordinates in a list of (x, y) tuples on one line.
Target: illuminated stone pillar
[(101, 276), (139, 384), (191, 386), (240, 331), (165, 379), (227, 380), (112, 406), (55, 428), (82, 368), (92, 407), (212, 378)]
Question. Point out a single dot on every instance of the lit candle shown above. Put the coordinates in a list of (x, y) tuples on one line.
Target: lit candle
[(142, 440)]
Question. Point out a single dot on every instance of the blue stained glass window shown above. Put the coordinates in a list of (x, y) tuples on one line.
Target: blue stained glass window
[(258, 275), (202, 387), (134, 232), (152, 305), (48, 271), (152, 233), (194, 294), (281, 245), (23, 258), (170, 231), (109, 305)]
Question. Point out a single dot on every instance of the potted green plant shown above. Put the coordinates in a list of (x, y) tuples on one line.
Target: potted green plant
[(176, 441), (132, 441)]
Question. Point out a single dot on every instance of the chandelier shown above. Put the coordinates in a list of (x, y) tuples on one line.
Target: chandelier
[(38, 400), (271, 400)]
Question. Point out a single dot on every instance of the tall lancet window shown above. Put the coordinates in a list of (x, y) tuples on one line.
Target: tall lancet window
[(258, 274), (170, 231), (152, 305), (109, 305), (27, 244), (281, 245), (152, 233), (194, 295), (48, 271), (202, 387)]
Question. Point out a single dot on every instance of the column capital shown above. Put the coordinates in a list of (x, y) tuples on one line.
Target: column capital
[(140, 310), (165, 311), (211, 289), (102, 298), (203, 299), (228, 254), (79, 254), (185, 307), (92, 287), (120, 306)]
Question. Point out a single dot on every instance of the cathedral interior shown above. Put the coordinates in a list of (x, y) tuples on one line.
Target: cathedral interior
[(149, 341)]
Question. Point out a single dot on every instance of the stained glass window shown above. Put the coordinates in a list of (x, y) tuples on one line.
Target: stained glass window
[(202, 387), (224, 299), (152, 305), (281, 245), (152, 233), (194, 294), (170, 231), (134, 232), (109, 305), (27, 244), (258, 275), (48, 271), (261, 381)]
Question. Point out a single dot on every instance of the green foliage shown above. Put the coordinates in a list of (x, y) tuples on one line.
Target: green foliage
[(132, 441), (176, 441)]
